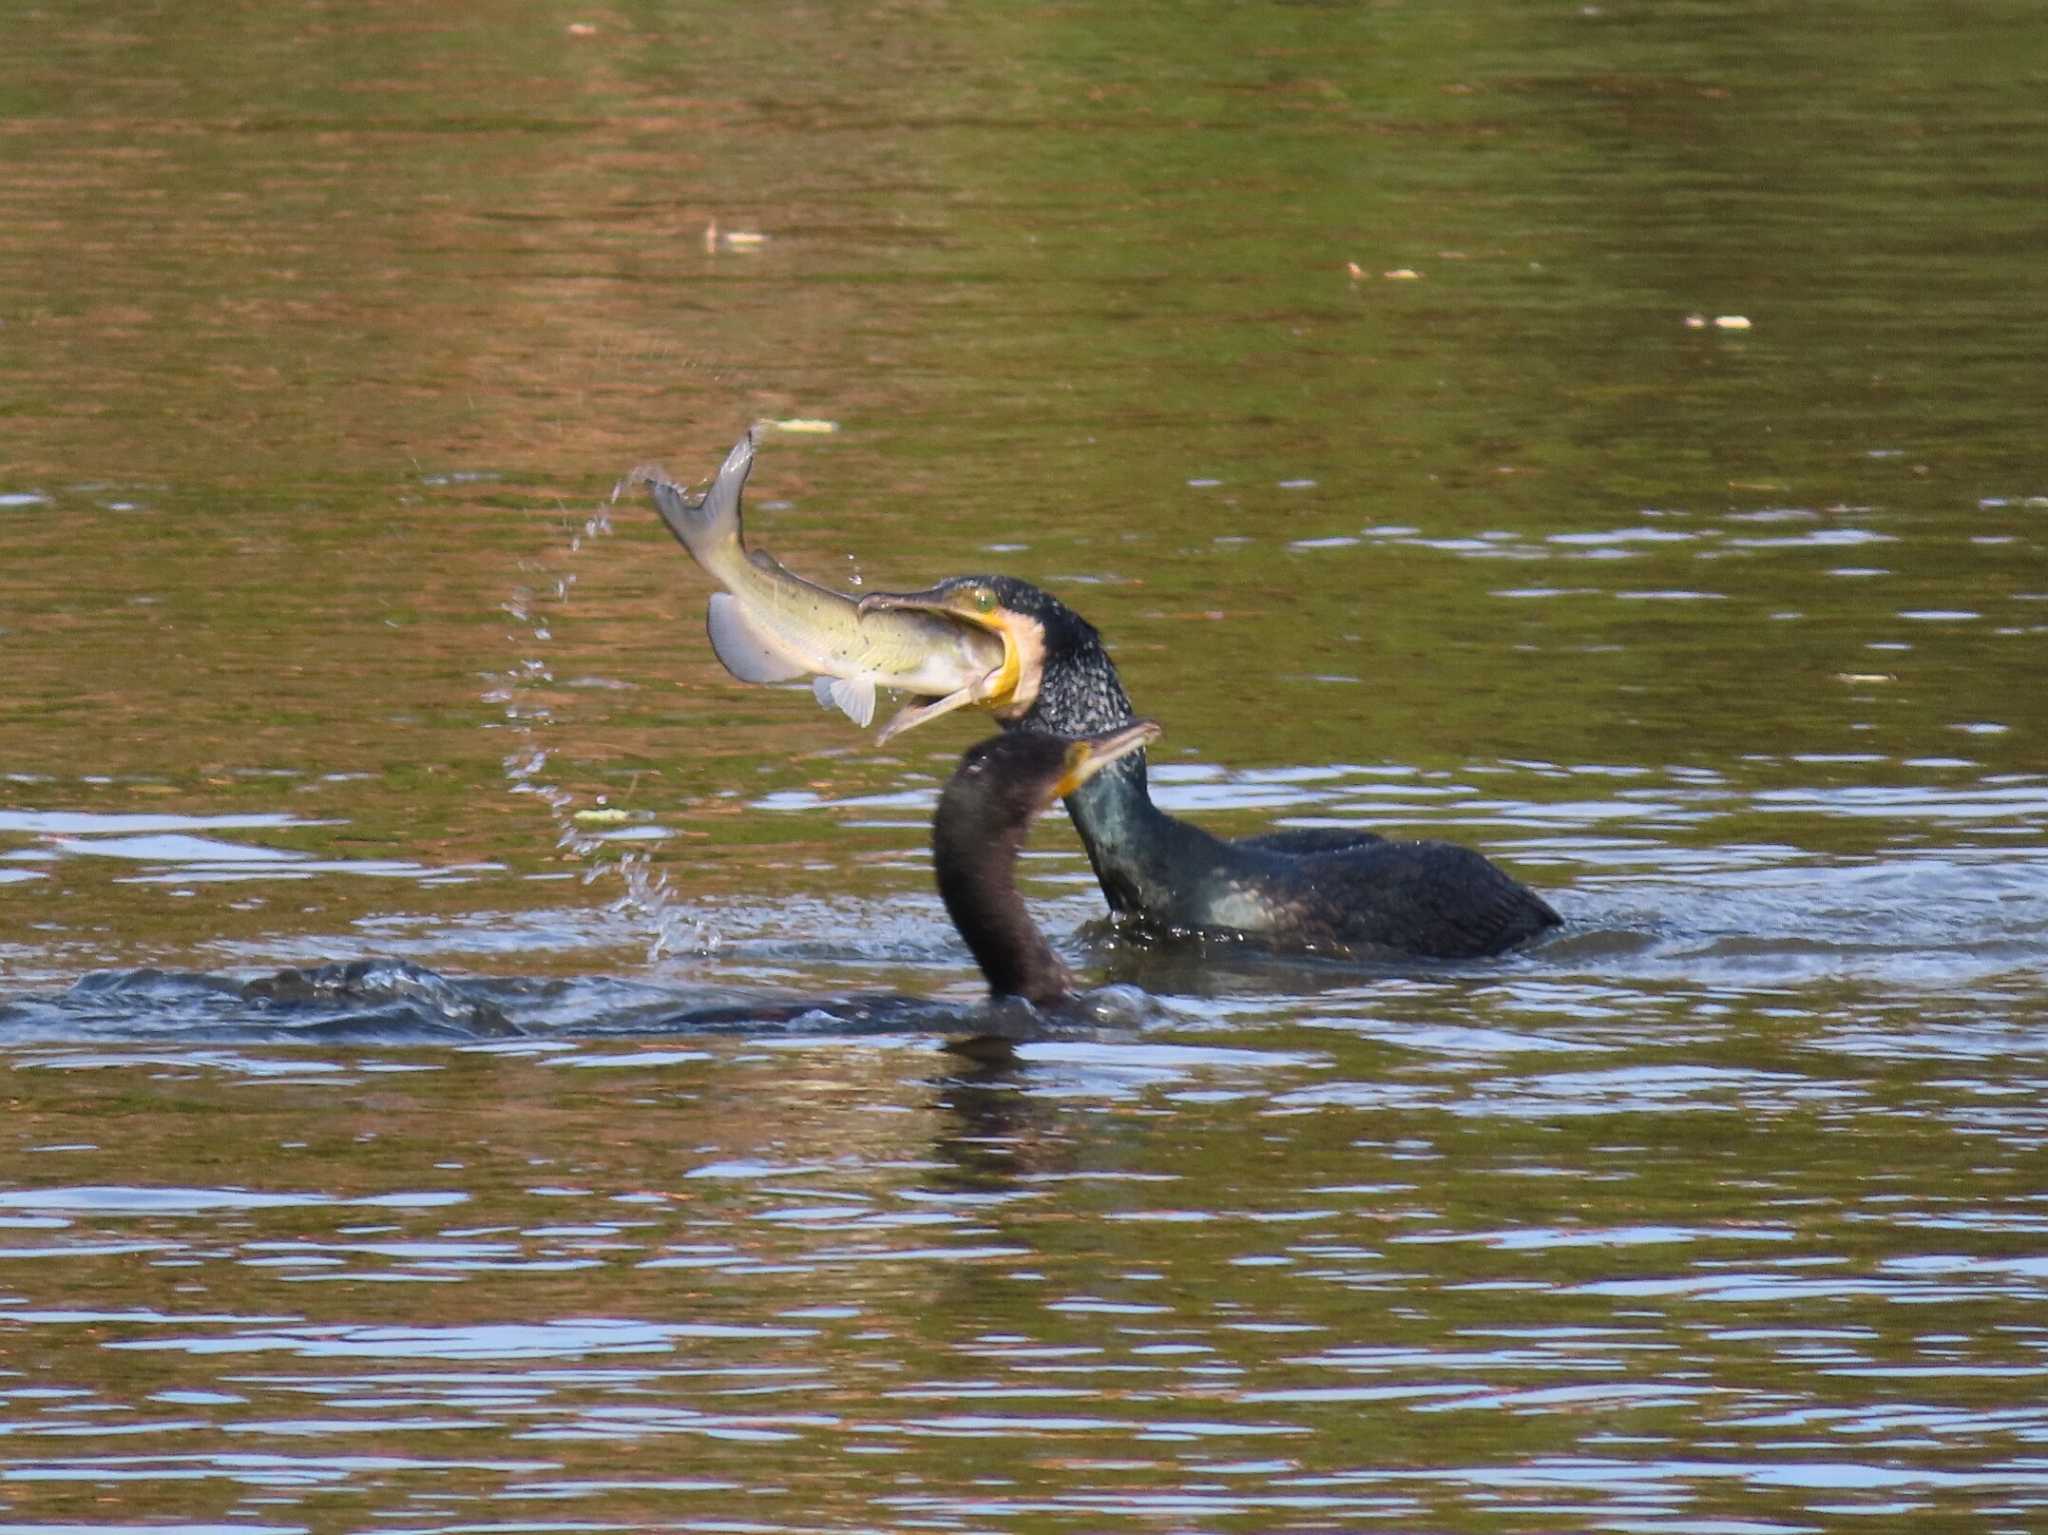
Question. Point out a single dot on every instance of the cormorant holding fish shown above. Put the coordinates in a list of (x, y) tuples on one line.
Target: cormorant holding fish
[(996, 643), (1349, 891)]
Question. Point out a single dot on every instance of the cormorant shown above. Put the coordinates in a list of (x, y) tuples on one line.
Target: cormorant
[(1349, 891), (984, 810)]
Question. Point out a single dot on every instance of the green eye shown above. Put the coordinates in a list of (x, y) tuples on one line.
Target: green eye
[(984, 600)]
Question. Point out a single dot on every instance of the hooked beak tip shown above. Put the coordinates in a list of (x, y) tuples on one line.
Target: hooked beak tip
[(877, 602), (1137, 734)]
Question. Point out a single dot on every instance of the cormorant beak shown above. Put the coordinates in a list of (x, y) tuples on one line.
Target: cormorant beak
[(1007, 691), (1091, 754)]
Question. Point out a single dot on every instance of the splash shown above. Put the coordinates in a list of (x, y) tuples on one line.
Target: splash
[(523, 693)]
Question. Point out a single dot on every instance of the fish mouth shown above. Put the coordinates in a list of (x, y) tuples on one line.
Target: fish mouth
[(1005, 692), (1089, 755)]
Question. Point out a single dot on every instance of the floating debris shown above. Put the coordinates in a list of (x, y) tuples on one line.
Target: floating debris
[(716, 239), (601, 817), (1719, 322), (799, 426), (1402, 274)]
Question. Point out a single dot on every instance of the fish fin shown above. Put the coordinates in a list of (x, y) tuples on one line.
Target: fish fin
[(713, 517), (682, 514), (852, 696), (745, 650)]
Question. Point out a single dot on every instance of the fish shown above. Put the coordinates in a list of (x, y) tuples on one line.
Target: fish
[(771, 625)]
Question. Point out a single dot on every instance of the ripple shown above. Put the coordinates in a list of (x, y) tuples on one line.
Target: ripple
[(564, 1339), (158, 1200)]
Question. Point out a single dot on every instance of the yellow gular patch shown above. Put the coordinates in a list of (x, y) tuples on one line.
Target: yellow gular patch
[(1016, 688)]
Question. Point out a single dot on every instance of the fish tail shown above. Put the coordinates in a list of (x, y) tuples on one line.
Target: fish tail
[(709, 522)]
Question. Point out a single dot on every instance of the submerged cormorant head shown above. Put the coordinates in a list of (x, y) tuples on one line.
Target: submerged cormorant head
[(1055, 678)]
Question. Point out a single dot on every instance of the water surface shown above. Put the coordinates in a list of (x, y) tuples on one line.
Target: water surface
[(408, 934)]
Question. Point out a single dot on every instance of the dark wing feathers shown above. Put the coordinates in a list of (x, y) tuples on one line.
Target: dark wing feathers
[(1427, 898)]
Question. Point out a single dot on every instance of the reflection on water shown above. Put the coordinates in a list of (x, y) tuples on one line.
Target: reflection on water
[(1060, 1288), (472, 1065)]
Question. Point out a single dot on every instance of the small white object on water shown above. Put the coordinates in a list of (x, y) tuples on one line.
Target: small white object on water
[(1402, 274), (716, 239), (811, 426), (600, 817), (1731, 322)]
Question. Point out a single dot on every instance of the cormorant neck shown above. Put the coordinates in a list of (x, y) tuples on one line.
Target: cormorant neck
[(1143, 857), (978, 882)]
